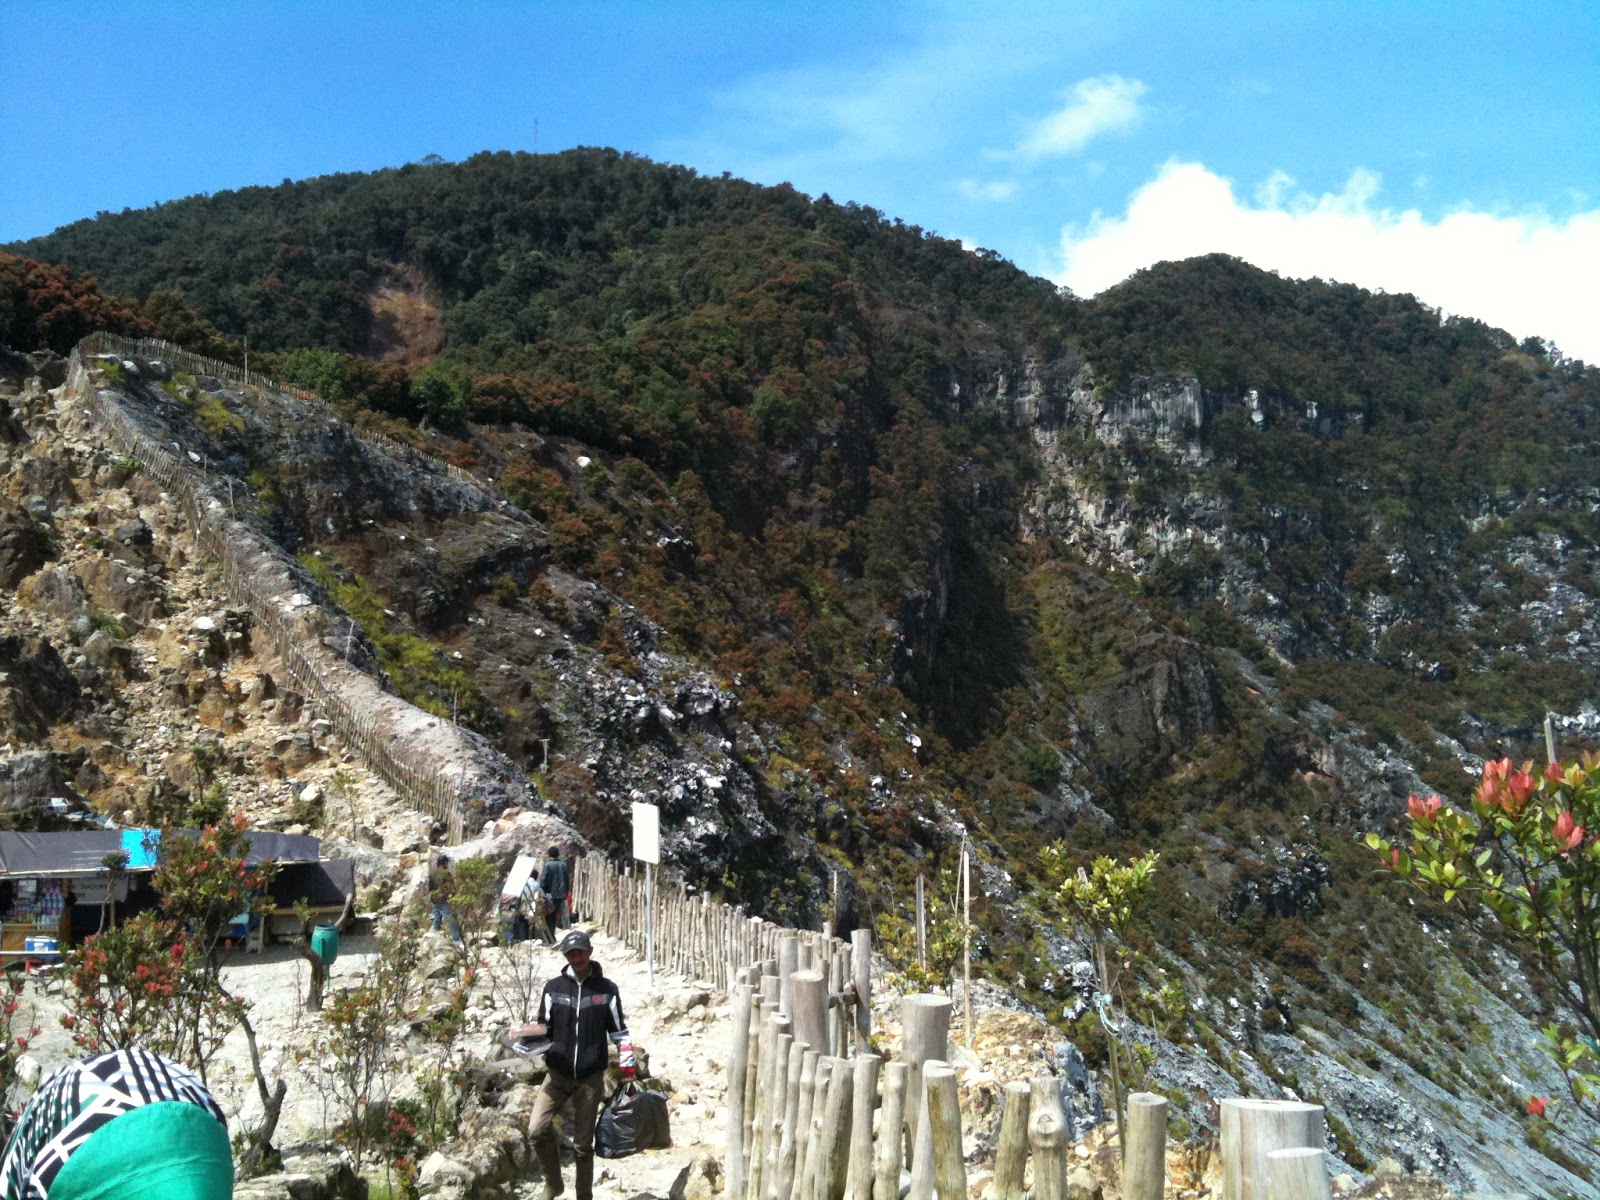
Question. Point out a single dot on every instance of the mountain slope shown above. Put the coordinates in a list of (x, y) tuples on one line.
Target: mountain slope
[(906, 543)]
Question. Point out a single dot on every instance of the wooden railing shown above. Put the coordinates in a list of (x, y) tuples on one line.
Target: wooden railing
[(260, 578)]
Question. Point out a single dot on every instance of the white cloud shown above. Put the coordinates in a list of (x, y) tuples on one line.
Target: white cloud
[(987, 189), (1527, 273), (1102, 104)]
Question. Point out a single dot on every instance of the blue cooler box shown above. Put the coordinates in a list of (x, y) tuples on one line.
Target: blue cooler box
[(41, 945)]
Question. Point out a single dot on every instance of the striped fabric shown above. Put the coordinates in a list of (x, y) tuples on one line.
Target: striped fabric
[(82, 1098)]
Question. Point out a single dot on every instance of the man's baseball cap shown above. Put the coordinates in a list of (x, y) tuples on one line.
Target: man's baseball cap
[(576, 940)]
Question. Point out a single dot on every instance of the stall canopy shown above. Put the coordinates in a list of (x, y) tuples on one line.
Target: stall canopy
[(83, 852), (319, 884)]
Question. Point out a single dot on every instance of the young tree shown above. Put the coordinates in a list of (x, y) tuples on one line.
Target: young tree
[(349, 1054), (1102, 903), (1524, 847)]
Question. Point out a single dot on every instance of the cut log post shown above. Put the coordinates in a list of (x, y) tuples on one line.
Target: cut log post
[(944, 1122), (1252, 1129), (809, 995), (891, 1153), (1047, 1139), (769, 1108), (836, 1133), (802, 1126), (792, 1116), (805, 1184), (1298, 1174), (738, 1064), (866, 1068), (861, 969), (777, 1110), (922, 1185), (766, 1052), (1011, 1156), (1144, 1160), (925, 1025), (752, 1068), (769, 988), (788, 964)]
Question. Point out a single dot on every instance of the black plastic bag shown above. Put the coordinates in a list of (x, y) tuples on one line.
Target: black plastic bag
[(632, 1120)]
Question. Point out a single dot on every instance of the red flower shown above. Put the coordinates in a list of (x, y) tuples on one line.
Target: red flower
[(1555, 773), (1536, 1105), (1394, 859), (1419, 809), (1567, 833), (1518, 791)]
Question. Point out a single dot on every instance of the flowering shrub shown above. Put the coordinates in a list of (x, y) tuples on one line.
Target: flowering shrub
[(1524, 847), (13, 1044), (147, 983)]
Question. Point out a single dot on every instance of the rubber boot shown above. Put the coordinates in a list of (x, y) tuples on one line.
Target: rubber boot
[(583, 1178)]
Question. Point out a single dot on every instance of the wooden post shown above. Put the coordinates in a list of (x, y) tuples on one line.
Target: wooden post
[(866, 1092), (810, 1166), (777, 1111), (922, 930), (891, 1154), (861, 970), (1298, 1174), (922, 1175), (738, 1064), (1144, 1161), (836, 1133), (1047, 1138), (1252, 1129), (809, 995), (802, 1070), (966, 939), (774, 1066), (788, 964), (756, 1142), (1549, 738), (925, 1025), (1011, 1156), (752, 1065), (944, 1121)]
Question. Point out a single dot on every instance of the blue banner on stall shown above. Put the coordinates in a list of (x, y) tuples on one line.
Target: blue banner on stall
[(140, 845)]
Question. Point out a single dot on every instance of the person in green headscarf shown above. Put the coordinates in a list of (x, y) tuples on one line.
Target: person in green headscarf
[(128, 1125)]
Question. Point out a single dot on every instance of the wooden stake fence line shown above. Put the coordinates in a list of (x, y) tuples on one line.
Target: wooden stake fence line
[(425, 784), (197, 364)]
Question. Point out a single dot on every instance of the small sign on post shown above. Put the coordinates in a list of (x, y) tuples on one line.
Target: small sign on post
[(647, 849)]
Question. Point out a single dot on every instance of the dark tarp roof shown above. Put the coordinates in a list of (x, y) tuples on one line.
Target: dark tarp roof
[(317, 883), (81, 852)]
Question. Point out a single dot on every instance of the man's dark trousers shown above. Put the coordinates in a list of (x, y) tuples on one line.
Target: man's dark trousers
[(586, 1095)]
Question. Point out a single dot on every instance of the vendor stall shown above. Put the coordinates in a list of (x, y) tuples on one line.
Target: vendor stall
[(56, 888)]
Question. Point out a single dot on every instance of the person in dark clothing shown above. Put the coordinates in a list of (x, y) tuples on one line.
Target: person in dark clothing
[(441, 881), (580, 1010), (554, 884)]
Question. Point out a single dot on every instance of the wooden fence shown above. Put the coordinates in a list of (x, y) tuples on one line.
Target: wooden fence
[(266, 591), (815, 1114), (198, 364)]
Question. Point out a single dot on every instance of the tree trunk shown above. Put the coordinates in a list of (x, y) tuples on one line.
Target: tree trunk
[(319, 976)]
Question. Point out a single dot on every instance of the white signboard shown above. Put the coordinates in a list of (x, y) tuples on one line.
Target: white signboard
[(93, 889), (521, 872), (647, 833)]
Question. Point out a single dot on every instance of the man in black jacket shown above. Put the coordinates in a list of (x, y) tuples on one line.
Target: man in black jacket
[(554, 884), (581, 1010)]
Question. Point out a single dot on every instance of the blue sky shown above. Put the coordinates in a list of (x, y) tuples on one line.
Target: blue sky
[(1445, 149)]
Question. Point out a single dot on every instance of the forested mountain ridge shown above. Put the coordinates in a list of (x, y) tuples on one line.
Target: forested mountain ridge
[(1211, 564)]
